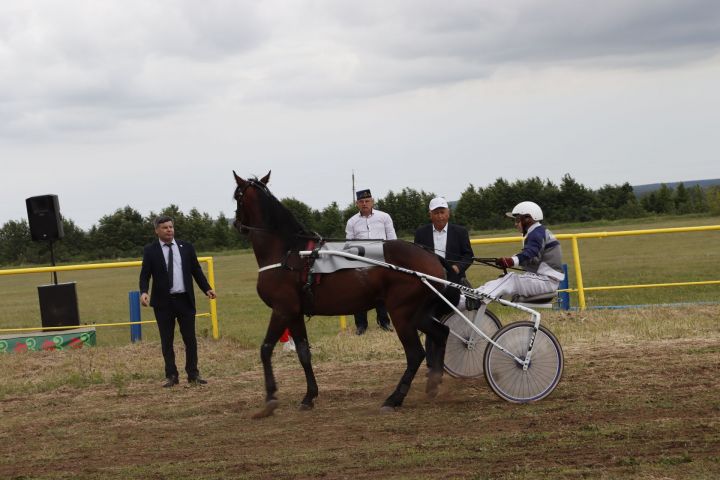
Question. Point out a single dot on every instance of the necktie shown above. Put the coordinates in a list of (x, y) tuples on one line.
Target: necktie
[(170, 263)]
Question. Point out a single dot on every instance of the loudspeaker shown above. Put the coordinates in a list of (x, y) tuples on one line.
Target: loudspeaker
[(44, 218), (59, 305)]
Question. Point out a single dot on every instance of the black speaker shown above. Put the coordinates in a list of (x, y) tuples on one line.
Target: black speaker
[(59, 305), (44, 218)]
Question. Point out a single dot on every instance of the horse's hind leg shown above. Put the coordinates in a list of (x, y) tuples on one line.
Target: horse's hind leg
[(299, 334), (275, 328), (437, 334)]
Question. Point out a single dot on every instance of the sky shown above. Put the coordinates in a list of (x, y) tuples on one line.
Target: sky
[(110, 103)]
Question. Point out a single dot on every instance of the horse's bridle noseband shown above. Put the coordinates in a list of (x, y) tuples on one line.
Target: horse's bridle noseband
[(239, 192)]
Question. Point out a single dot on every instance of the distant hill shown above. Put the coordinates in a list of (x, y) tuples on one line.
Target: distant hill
[(641, 190)]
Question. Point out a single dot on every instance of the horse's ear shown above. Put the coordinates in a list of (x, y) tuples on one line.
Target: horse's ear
[(266, 178), (239, 180)]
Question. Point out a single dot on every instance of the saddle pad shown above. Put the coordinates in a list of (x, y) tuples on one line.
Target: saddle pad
[(333, 263)]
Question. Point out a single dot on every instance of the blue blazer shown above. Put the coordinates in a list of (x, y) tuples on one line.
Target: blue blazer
[(153, 265)]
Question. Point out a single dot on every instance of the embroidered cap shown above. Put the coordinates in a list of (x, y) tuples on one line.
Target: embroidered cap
[(360, 194), (438, 202)]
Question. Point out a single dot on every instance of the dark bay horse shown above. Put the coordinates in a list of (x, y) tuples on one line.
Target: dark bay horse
[(277, 237)]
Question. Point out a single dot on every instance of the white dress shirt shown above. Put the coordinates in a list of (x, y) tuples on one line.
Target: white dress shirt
[(377, 226), (440, 240), (178, 281)]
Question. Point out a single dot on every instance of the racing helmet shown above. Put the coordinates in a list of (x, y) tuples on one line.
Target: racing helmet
[(527, 208)]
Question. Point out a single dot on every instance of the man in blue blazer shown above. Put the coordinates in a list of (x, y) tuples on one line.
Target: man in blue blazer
[(452, 243), (173, 265)]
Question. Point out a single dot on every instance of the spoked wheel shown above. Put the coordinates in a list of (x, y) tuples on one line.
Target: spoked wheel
[(506, 376), (465, 347)]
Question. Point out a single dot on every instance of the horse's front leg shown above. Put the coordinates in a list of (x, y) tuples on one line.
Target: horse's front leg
[(299, 334), (414, 355), (275, 329)]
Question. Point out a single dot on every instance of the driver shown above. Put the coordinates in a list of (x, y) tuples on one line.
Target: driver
[(540, 258)]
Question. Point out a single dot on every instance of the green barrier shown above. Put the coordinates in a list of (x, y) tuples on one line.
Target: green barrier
[(61, 340)]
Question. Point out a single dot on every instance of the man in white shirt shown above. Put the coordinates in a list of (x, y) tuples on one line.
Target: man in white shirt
[(452, 243), (370, 224)]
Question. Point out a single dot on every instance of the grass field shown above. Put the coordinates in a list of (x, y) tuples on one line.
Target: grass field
[(638, 397), (103, 294)]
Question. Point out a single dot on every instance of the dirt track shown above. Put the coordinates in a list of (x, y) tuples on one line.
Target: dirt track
[(621, 411)]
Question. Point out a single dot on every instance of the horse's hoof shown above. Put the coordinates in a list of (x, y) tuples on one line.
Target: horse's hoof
[(388, 409), (304, 407), (270, 407), (433, 382)]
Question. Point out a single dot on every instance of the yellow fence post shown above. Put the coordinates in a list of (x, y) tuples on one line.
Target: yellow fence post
[(343, 322), (578, 273), (213, 302)]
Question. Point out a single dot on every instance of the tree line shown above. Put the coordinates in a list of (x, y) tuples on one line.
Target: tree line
[(123, 233)]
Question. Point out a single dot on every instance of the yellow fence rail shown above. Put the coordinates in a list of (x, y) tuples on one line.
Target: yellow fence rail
[(100, 266), (574, 237)]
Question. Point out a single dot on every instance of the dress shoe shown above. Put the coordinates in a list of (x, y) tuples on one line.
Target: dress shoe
[(171, 381), (386, 327), (197, 381), (360, 330)]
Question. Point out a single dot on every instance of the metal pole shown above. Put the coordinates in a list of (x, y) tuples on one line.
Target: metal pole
[(136, 327), (213, 303), (52, 262), (578, 274), (564, 285), (352, 198)]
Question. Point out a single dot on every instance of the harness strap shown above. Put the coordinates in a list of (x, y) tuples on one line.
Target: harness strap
[(269, 267)]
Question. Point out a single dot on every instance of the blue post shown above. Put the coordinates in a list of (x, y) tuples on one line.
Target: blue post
[(564, 297), (136, 329)]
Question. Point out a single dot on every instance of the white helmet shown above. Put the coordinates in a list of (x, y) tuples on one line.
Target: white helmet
[(526, 208)]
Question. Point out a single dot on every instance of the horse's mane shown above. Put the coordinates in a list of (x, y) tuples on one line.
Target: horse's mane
[(280, 219)]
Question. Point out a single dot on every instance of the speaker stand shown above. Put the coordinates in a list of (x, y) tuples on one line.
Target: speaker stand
[(52, 261)]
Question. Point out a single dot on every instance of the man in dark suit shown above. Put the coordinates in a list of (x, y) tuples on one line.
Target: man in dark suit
[(452, 243), (173, 264)]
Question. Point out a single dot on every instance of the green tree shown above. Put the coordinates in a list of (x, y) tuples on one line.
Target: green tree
[(408, 209), (471, 208), (665, 201), (618, 201), (577, 200), (121, 234), (221, 232), (198, 230), (698, 200), (302, 212), (713, 199), (14, 242), (74, 244), (331, 224), (499, 198), (681, 200)]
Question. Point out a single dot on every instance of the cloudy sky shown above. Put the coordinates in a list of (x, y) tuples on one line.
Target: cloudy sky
[(109, 103)]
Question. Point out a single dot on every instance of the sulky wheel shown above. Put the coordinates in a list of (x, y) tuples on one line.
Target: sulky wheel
[(506, 376), (465, 347)]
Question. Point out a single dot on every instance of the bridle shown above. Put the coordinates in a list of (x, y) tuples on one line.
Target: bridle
[(246, 229), (239, 193)]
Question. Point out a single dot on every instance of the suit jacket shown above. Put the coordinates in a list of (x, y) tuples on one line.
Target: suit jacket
[(153, 265), (457, 251)]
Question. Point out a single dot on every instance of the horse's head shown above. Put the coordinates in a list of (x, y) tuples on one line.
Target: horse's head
[(259, 210), (248, 212)]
